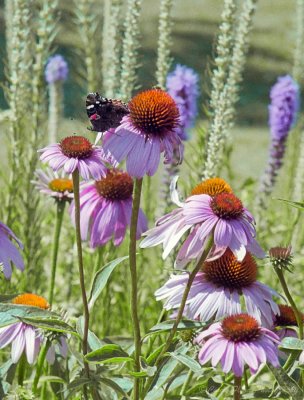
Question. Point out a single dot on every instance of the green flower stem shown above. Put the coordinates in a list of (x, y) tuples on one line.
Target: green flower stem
[(180, 310), (40, 363), (21, 369), (186, 383), (237, 388), (59, 218), (86, 313), (298, 316), (134, 290)]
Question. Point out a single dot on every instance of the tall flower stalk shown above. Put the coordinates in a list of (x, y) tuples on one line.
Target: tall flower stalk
[(87, 23), (134, 289), (230, 65), (86, 313), (130, 45), (164, 42), (298, 62), (57, 231), (56, 73), (111, 47)]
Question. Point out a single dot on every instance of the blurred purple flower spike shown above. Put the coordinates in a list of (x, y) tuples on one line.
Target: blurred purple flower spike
[(56, 69)]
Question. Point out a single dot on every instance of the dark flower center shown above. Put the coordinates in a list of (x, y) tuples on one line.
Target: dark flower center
[(76, 147), (117, 185), (227, 206), (61, 185), (240, 328), (212, 187), (287, 316), (228, 272), (154, 112)]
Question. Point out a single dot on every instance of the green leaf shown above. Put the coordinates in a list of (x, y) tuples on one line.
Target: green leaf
[(55, 325), (93, 340), (155, 353), (296, 204), (101, 278), (292, 343), (287, 383), (188, 361), (7, 297), (110, 353), (183, 325), (11, 313), (113, 385)]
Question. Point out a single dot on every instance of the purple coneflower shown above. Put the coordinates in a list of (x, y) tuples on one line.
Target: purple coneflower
[(56, 69), (8, 251), (148, 131), (53, 185), (75, 152), (217, 291), (27, 338), (22, 336), (211, 210), (106, 208), (284, 325), (182, 85), (236, 341), (283, 110)]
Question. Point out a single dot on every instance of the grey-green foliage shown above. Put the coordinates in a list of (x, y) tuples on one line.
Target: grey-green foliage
[(298, 62), (129, 61), (34, 32), (164, 42), (111, 47), (87, 21), (229, 66)]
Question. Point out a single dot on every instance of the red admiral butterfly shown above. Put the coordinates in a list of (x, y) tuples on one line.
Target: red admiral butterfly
[(105, 113)]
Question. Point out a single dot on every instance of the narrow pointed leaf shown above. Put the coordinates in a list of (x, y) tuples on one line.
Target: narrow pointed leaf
[(292, 343), (55, 325), (287, 383), (10, 313), (101, 278), (111, 353), (188, 361)]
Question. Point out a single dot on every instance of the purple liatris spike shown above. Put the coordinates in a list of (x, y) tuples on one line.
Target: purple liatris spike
[(283, 109), (56, 69), (182, 85)]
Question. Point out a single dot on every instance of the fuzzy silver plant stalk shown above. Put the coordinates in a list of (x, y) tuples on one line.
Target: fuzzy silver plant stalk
[(164, 42), (298, 64), (8, 16), (111, 47), (129, 61), (19, 71), (45, 35), (87, 19), (223, 105), (56, 72)]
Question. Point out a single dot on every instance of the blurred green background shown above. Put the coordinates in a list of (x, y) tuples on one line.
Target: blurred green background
[(194, 33)]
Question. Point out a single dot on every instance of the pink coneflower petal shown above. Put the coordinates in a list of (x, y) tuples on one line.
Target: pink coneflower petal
[(8, 251), (106, 208), (18, 345), (30, 344), (222, 288), (75, 152), (145, 133), (221, 215), (236, 341)]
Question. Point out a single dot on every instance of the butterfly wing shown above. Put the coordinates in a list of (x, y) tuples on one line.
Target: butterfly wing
[(105, 113)]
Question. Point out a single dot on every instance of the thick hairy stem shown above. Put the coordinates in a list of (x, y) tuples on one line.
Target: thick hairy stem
[(180, 310), (237, 388), (133, 273), (86, 313), (59, 218)]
